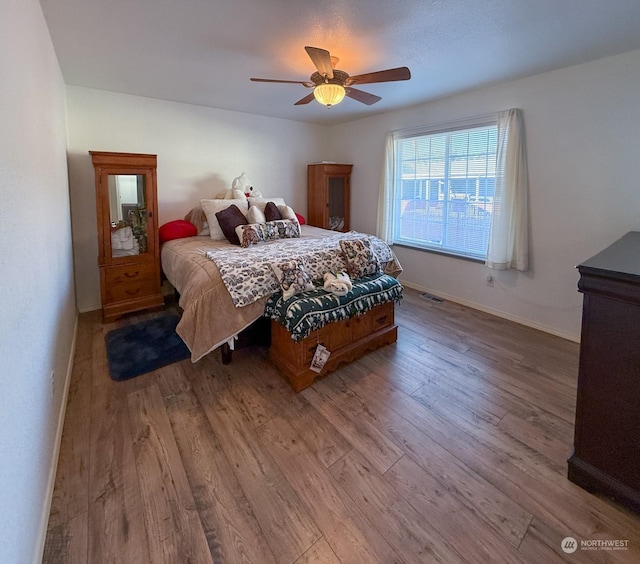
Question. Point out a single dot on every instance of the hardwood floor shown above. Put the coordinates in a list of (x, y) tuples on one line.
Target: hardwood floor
[(448, 446)]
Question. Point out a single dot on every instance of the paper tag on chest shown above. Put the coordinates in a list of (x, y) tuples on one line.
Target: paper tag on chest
[(320, 358)]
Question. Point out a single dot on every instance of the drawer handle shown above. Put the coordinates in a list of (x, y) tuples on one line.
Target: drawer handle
[(381, 320), (132, 275), (133, 292)]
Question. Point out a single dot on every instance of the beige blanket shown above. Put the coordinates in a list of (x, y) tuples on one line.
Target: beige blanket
[(210, 317)]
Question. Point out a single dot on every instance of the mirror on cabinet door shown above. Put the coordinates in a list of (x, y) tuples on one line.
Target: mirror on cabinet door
[(127, 214)]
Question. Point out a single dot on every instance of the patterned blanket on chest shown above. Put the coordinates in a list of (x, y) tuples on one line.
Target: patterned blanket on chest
[(311, 310), (247, 274)]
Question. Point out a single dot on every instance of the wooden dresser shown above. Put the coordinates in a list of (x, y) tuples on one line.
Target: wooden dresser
[(128, 246), (606, 456)]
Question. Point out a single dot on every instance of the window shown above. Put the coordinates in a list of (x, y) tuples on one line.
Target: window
[(444, 189), (461, 189)]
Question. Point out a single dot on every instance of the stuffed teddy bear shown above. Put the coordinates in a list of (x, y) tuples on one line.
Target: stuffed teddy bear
[(338, 284), (243, 184), (241, 189), (231, 195)]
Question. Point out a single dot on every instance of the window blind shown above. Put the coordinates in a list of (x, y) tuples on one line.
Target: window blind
[(444, 186)]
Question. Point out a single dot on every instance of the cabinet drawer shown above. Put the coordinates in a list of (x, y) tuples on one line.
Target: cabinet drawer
[(382, 316), (333, 336), (132, 290), (378, 318), (361, 326), (129, 273)]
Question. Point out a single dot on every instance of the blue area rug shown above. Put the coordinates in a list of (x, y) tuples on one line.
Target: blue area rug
[(143, 347)]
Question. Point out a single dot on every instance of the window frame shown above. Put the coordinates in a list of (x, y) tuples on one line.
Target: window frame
[(423, 186)]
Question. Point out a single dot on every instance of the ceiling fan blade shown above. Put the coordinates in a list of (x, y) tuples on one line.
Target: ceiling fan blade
[(307, 84), (362, 96), (321, 59), (389, 75), (308, 98)]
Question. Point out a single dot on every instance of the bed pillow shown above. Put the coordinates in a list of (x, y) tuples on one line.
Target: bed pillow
[(255, 215), (271, 212), (228, 220), (212, 207), (292, 277), (287, 213), (360, 257), (197, 217), (177, 229), (262, 202), (254, 233)]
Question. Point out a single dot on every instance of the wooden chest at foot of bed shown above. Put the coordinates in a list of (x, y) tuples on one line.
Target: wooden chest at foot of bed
[(347, 340)]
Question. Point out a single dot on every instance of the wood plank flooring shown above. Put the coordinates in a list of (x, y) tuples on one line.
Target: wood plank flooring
[(448, 446)]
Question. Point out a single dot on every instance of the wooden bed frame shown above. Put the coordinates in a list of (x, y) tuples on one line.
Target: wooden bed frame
[(258, 333), (347, 340)]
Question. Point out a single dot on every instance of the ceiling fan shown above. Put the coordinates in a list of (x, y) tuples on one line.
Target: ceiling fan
[(330, 85)]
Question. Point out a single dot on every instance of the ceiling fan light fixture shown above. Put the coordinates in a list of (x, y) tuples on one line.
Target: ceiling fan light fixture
[(329, 94), (330, 85)]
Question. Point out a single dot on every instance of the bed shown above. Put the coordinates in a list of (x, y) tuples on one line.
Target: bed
[(210, 317)]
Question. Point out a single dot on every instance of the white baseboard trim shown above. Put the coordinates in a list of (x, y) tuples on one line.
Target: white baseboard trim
[(48, 498), (90, 307), (496, 312)]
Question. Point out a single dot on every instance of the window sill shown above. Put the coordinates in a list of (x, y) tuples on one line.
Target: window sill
[(437, 252)]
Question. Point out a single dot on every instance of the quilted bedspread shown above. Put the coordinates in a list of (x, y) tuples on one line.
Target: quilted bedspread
[(248, 276)]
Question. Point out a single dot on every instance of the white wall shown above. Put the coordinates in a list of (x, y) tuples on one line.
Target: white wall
[(582, 127), (200, 151), (583, 133), (37, 324)]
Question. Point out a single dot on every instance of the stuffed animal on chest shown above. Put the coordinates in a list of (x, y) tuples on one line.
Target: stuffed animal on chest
[(339, 283)]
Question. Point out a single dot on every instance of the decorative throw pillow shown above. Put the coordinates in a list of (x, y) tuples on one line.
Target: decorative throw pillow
[(292, 277), (287, 213), (254, 233), (271, 212), (177, 229), (212, 207), (228, 220), (255, 215), (301, 219), (360, 257), (199, 219), (262, 202)]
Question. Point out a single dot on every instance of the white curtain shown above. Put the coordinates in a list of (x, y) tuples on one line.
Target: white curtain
[(509, 235), (387, 191)]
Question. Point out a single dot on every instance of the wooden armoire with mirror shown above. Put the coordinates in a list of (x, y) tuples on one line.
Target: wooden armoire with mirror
[(128, 246)]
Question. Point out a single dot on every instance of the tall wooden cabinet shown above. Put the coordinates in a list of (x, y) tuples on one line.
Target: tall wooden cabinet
[(128, 247), (328, 195), (606, 455)]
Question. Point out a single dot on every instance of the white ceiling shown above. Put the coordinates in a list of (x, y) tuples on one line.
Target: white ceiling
[(204, 51)]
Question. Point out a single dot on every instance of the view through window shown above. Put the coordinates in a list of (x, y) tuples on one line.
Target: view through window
[(444, 190)]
